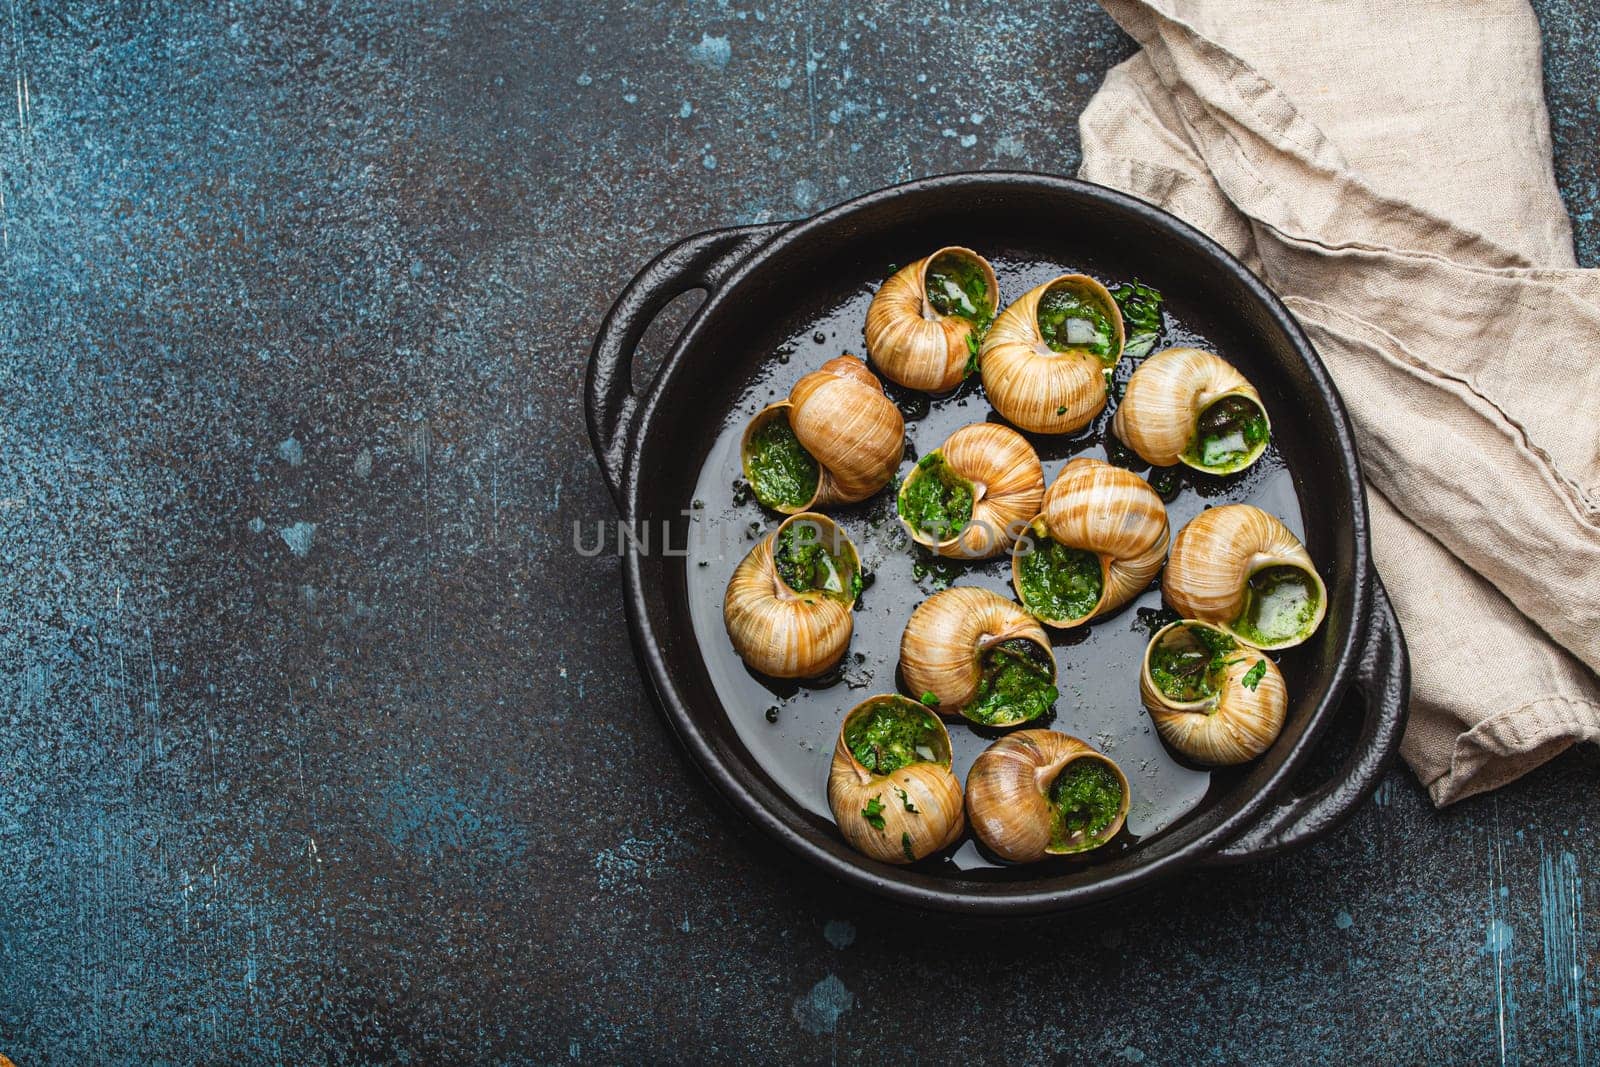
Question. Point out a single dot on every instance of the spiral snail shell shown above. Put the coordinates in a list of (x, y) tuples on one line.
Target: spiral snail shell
[(971, 497), (788, 605), (1038, 793), (925, 323), (1192, 407), (890, 786), (978, 654), (1242, 570), (836, 439), (1099, 541), (1215, 701), (1044, 360)]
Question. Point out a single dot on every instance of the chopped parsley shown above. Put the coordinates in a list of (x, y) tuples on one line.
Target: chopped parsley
[(804, 562), (905, 801), (1254, 675), (894, 733), (930, 698), (957, 285), (905, 846), (935, 500), (1187, 664), (1058, 581), (781, 472), (873, 813), (1074, 320), (1085, 799), (1015, 685)]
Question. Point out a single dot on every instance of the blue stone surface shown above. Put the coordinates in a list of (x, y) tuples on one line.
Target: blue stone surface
[(317, 741)]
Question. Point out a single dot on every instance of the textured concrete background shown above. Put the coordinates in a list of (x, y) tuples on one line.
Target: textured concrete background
[(315, 742)]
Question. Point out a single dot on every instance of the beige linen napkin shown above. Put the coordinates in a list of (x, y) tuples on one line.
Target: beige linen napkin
[(1385, 166)]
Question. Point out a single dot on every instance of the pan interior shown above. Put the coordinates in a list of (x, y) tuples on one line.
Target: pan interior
[(802, 307)]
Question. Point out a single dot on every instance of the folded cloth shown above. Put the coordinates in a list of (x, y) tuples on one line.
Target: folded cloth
[(1385, 167)]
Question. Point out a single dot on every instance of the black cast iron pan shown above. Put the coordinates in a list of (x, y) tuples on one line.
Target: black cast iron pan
[(780, 299)]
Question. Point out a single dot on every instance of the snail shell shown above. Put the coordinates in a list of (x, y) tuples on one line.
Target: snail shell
[(1240, 569), (1009, 799), (853, 434), (908, 813), (948, 640), (1226, 708), (911, 342), (1006, 481), (1169, 396), (786, 632), (1110, 512), (1046, 389)]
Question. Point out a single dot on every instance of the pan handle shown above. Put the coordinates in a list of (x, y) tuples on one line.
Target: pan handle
[(1383, 680), (699, 262)]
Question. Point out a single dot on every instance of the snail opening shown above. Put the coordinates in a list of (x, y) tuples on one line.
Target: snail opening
[(1279, 604), (1085, 801), (1072, 320), (1058, 582), (781, 473), (1016, 684), (958, 287), (813, 557), (935, 501), (1189, 663), (1229, 434), (895, 733)]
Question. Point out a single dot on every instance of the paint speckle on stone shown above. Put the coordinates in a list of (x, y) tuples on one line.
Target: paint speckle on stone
[(840, 933), (291, 452), (1343, 920), (298, 537), (627, 867), (818, 1010), (712, 53)]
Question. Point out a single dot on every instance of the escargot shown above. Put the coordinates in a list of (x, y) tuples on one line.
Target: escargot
[(1213, 700), (836, 439), (972, 652), (890, 785), (971, 497), (925, 323), (1099, 541), (1038, 793), (1192, 407), (1241, 569), (1044, 361), (788, 604)]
